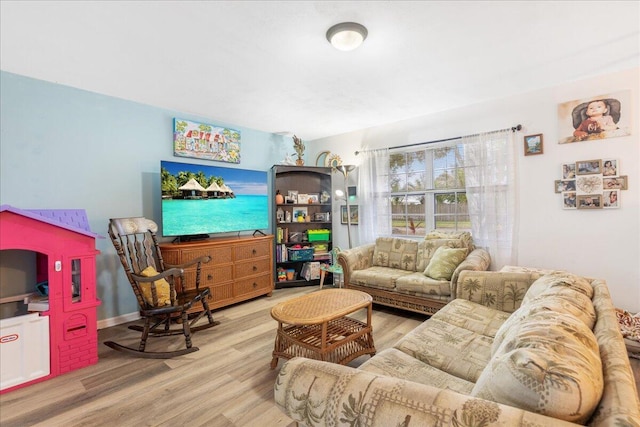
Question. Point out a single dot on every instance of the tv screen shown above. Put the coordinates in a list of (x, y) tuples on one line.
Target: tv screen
[(201, 199)]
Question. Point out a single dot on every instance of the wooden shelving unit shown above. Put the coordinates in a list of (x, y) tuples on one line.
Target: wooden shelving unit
[(289, 231)]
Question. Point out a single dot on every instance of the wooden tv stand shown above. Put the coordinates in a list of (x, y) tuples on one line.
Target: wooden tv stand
[(241, 268)]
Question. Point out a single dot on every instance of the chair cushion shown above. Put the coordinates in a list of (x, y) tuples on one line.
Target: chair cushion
[(378, 277), (550, 364), (444, 262), (395, 253), (163, 290)]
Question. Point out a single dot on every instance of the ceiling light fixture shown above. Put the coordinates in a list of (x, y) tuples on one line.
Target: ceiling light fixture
[(346, 35)]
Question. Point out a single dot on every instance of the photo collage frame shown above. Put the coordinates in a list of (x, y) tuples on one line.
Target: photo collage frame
[(591, 184)]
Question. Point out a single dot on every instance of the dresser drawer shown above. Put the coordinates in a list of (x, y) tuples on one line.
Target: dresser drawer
[(252, 268), (255, 284), (249, 251), (221, 255), (209, 276)]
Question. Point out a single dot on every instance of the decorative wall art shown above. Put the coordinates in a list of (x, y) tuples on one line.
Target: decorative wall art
[(353, 209), (599, 117), (591, 184), (204, 141), (533, 145)]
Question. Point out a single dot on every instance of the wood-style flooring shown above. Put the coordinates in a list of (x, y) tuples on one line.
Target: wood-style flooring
[(227, 383)]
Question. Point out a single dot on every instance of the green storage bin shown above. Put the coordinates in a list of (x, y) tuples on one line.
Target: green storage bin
[(318, 235)]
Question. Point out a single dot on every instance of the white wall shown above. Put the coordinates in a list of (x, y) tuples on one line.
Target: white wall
[(596, 243)]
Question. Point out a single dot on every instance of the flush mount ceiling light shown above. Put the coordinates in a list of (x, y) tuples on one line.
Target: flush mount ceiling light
[(346, 35)]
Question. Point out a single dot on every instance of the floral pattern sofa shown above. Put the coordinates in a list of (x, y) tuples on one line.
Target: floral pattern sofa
[(515, 348), (410, 274)]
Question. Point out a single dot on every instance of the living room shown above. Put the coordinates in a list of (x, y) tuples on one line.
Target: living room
[(65, 146)]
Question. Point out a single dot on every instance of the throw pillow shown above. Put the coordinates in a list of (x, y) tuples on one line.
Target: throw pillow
[(163, 290), (426, 249), (444, 262)]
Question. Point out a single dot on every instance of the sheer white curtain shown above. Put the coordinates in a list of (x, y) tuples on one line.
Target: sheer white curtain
[(490, 175), (373, 196)]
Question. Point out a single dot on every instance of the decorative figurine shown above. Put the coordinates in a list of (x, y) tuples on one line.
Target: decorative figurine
[(298, 145)]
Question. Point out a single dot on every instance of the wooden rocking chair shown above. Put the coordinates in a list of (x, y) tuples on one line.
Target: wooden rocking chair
[(153, 284)]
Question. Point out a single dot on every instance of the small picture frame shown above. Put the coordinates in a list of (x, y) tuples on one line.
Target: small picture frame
[(589, 201), (615, 183), (589, 167), (562, 185), (321, 216), (354, 214), (568, 171), (569, 200), (314, 198), (293, 196), (611, 199), (303, 199), (299, 212), (609, 168), (533, 144)]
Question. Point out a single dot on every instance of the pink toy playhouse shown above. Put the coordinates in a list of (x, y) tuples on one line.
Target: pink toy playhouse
[(65, 261)]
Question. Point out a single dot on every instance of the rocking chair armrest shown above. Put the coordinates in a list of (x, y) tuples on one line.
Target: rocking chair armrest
[(169, 272), (200, 260)]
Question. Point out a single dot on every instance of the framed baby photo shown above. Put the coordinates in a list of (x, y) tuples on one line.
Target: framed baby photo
[(611, 199), (609, 167), (533, 144), (568, 171), (589, 201), (594, 118), (588, 167), (615, 183), (569, 200), (562, 185)]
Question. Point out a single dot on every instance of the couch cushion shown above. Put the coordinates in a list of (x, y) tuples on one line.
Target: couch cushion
[(419, 284), (394, 363), (378, 277), (395, 253), (556, 281), (444, 262), (549, 365), (427, 248), (463, 236), (473, 317), (455, 350)]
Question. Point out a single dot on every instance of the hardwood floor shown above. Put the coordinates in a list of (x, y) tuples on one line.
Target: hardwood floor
[(227, 383)]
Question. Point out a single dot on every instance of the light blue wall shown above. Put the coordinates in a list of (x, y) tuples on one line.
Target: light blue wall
[(65, 148)]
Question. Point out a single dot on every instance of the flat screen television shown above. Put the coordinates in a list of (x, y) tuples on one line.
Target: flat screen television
[(198, 200)]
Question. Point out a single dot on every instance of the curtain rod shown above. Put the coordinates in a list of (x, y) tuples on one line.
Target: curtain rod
[(513, 129)]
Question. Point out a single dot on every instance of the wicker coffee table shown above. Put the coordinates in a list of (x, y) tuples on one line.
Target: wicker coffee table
[(316, 326)]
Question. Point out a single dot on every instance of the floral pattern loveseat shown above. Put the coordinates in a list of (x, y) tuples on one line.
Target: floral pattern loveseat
[(513, 349), (410, 274)]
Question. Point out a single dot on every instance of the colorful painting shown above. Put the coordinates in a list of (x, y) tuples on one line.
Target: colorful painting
[(206, 142), (596, 118)]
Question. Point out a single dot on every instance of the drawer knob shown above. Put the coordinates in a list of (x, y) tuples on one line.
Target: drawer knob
[(255, 285), (255, 268), (209, 277)]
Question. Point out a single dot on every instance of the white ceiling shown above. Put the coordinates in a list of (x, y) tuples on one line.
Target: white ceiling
[(267, 65)]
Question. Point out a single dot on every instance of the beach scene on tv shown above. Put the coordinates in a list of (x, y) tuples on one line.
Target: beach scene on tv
[(201, 199)]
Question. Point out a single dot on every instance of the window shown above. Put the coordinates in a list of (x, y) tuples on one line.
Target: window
[(428, 191)]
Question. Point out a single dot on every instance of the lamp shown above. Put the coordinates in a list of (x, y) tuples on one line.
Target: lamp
[(345, 169), (346, 35)]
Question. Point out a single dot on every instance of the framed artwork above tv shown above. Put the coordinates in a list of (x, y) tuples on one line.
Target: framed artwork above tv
[(205, 141)]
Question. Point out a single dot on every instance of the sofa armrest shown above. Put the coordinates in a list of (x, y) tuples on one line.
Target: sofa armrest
[(358, 258), (494, 289), (478, 260), (319, 393)]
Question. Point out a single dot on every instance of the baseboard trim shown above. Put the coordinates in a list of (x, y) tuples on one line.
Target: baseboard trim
[(113, 321)]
